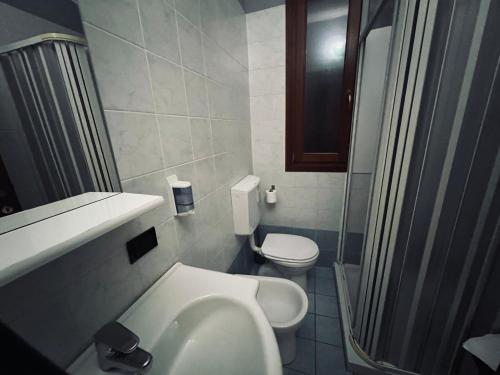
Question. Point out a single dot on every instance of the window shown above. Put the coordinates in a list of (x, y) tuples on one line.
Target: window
[(321, 52)]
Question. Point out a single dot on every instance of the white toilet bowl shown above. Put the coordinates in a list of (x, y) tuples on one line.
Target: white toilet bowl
[(292, 255), (285, 305)]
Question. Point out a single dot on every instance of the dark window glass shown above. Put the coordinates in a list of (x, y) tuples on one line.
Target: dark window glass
[(322, 44), (325, 53)]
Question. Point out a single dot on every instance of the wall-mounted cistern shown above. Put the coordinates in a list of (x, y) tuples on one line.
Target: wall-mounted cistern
[(118, 348)]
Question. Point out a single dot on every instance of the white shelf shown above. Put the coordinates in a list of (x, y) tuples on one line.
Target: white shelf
[(27, 248), (31, 216)]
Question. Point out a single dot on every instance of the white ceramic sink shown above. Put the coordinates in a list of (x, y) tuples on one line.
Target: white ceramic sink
[(196, 321)]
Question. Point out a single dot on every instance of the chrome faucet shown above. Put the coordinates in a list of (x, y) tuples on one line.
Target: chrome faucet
[(118, 349)]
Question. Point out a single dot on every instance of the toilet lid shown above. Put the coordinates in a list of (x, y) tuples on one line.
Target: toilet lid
[(289, 247)]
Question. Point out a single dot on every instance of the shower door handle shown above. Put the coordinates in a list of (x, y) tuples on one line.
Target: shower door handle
[(349, 100)]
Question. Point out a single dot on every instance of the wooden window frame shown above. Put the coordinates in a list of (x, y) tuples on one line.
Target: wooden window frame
[(296, 158)]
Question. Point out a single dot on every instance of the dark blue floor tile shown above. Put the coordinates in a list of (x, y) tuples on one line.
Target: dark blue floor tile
[(307, 330), (311, 308), (305, 360), (289, 371), (327, 306), (329, 360), (328, 330), (324, 286), (311, 282), (323, 272)]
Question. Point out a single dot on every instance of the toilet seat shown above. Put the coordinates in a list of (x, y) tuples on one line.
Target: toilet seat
[(291, 261), (289, 248)]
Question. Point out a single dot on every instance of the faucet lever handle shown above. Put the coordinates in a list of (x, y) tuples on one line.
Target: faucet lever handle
[(117, 337)]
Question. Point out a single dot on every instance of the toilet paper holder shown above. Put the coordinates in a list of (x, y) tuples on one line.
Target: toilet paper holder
[(271, 195), (181, 196)]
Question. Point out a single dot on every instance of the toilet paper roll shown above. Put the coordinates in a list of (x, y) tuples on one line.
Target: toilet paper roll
[(271, 197)]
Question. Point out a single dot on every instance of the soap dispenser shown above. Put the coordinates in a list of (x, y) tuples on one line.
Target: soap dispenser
[(181, 196)]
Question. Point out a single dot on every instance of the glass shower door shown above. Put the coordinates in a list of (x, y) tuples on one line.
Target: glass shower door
[(373, 65)]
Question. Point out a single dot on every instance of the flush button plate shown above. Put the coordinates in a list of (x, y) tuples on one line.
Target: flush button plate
[(140, 245)]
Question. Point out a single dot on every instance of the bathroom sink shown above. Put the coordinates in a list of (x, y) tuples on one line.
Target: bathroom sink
[(212, 336), (196, 321)]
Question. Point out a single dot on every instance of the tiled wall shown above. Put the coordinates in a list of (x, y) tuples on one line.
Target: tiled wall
[(173, 79), (256, 5), (305, 200), (58, 307), (174, 86)]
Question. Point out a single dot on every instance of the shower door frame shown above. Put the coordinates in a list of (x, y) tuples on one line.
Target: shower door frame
[(404, 94), (409, 52)]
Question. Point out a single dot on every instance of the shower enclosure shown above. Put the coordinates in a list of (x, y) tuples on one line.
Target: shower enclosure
[(421, 228), (373, 62)]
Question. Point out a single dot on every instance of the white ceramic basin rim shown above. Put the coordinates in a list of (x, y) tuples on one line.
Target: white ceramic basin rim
[(196, 321), (213, 335)]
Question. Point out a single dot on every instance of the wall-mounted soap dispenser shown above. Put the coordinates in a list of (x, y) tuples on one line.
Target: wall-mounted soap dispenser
[(181, 196)]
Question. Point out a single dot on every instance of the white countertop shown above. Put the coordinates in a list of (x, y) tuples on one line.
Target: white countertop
[(27, 248)]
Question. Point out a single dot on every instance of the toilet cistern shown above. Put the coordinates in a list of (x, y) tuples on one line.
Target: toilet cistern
[(291, 255)]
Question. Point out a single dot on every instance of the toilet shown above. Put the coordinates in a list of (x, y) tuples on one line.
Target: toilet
[(285, 305), (291, 256)]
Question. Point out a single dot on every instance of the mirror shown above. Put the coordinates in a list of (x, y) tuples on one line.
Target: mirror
[(54, 144)]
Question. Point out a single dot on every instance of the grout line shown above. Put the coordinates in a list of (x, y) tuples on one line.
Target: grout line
[(183, 66), (200, 29), (116, 35), (325, 295), (325, 316), (306, 339), (173, 167), (315, 333), (164, 222), (148, 51), (267, 95), (172, 115), (267, 40), (185, 89), (326, 343), (267, 67), (209, 108), (148, 66)]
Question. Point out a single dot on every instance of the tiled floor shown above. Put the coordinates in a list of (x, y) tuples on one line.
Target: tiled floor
[(319, 342)]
